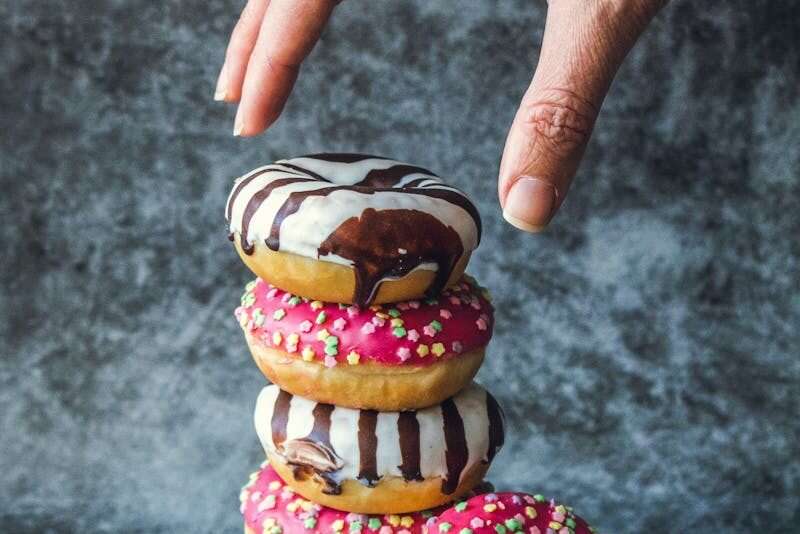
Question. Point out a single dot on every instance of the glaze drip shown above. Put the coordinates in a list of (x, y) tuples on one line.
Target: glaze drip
[(456, 451)]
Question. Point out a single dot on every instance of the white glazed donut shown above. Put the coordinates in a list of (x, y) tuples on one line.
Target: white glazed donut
[(376, 219), (380, 462)]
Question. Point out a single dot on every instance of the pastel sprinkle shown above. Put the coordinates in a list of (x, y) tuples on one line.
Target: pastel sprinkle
[(461, 506), (339, 324), (277, 338), (399, 331), (394, 313), (315, 305), (251, 285), (385, 529), (539, 498), (308, 354), (491, 497), (331, 350), (555, 525), (310, 522), (445, 527), (445, 314), (428, 330), (374, 523), (512, 524), (382, 315), (323, 334), (438, 349), (413, 304), (331, 340), (394, 520), (570, 522), (406, 521), (353, 358), (267, 504), (458, 347), (558, 516), (321, 317), (423, 350), (412, 335), (436, 325), (306, 326), (465, 531), (481, 324), (272, 292), (356, 526), (530, 511), (489, 508), (404, 353), (337, 525), (292, 339), (368, 328), (477, 522), (279, 314), (500, 529), (396, 322), (329, 362), (378, 321), (352, 311), (258, 317), (274, 485)]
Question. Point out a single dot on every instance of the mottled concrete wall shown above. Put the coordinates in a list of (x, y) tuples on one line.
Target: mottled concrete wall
[(647, 344)]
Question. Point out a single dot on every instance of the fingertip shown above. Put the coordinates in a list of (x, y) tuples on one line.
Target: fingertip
[(530, 204)]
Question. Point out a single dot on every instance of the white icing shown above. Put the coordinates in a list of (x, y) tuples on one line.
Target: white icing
[(471, 404), (303, 232)]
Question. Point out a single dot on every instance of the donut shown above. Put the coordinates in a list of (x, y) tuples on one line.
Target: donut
[(269, 506), (404, 356), (366, 461), (508, 513), (352, 228)]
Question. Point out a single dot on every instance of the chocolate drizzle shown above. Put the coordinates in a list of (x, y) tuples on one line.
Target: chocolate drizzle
[(408, 430), (280, 419), (315, 452), (368, 447), (255, 203), (496, 430), (456, 452), (373, 265), (372, 242)]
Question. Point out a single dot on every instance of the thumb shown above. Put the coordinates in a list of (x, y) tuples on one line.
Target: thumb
[(584, 44)]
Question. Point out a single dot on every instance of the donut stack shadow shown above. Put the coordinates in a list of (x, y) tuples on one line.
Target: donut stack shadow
[(362, 318)]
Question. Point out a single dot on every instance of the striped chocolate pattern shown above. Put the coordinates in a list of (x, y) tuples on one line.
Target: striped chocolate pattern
[(382, 217), (338, 444)]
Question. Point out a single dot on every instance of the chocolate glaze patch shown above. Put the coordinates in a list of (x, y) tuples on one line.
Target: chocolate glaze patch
[(390, 244)]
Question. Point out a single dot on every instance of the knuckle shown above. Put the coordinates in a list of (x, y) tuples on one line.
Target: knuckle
[(558, 119)]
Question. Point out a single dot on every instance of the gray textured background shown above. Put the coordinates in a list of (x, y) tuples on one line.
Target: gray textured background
[(647, 344)]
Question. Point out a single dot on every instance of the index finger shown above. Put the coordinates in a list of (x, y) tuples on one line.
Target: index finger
[(288, 33)]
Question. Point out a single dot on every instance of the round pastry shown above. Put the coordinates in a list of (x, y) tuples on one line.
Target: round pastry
[(352, 228), (380, 462), (404, 356), (269, 506), (507, 513)]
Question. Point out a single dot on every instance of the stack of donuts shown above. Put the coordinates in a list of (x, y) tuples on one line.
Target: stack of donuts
[(362, 318)]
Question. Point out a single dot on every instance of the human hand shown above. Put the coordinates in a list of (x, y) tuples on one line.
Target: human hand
[(585, 41)]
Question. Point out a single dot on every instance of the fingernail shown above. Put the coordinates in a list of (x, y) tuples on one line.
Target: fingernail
[(530, 204), (238, 125), (222, 86)]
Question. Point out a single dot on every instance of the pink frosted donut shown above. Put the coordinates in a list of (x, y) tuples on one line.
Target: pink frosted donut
[(270, 506), (508, 513), (405, 355)]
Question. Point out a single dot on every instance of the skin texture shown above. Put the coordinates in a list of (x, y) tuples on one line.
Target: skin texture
[(583, 46)]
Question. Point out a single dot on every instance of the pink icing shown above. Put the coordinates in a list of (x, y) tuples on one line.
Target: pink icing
[(516, 512), (406, 333), (269, 506)]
